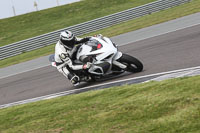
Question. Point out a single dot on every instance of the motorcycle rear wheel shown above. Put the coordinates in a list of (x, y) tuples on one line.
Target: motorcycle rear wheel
[(132, 63)]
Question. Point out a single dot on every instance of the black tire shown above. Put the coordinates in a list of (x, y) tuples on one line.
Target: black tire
[(133, 64)]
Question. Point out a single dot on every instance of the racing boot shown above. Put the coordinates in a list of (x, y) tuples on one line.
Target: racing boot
[(75, 80)]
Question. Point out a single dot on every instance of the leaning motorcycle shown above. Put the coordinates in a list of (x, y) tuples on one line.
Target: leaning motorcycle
[(105, 58)]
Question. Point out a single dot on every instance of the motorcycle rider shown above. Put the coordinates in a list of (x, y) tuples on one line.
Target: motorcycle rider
[(65, 51)]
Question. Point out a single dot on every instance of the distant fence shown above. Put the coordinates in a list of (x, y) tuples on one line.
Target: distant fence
[(90, 26)]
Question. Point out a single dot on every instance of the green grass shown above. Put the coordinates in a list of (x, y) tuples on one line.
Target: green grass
[(25, 26), (145, 21), (169, 106)]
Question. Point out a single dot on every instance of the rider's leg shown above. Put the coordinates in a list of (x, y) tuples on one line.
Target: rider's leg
[(70, 75)]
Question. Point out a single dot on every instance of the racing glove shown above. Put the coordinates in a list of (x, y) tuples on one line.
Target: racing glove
[(87, 65)]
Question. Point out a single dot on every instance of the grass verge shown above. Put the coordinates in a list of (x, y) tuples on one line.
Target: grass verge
[(167, 106), (145, 21)]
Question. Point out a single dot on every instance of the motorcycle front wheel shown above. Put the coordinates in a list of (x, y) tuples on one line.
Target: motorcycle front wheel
[(133, 64)]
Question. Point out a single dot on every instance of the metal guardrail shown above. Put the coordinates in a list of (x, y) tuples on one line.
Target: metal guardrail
[(90, 26)]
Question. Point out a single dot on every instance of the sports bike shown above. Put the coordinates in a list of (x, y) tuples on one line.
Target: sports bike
[(105, 60)]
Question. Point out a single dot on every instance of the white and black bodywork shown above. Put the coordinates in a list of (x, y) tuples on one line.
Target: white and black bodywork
[(105, 59)]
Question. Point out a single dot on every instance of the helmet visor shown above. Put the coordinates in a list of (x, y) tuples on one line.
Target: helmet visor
[(69, 44)]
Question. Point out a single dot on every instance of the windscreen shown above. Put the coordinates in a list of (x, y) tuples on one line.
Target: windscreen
[(94, 44)]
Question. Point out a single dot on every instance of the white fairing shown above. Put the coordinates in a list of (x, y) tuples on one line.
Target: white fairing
[(107, 53), (106, 50), (84, 50)]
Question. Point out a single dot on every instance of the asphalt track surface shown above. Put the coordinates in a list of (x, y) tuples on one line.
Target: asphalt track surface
[(171, 51)]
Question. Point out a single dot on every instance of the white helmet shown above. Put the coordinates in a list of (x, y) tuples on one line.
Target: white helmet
[(68, 39)]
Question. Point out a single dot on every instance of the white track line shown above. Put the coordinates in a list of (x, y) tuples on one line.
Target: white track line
[(159, 34), (81, 89), (25, 71)]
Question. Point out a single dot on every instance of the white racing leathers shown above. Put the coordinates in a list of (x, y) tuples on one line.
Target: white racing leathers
[(63, 59)]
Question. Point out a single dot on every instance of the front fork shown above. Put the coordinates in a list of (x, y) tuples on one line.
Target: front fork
[(117, 63), (120, 65)]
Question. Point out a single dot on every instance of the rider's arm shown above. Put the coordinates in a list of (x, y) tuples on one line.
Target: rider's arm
[(76, 67), (82, 40)]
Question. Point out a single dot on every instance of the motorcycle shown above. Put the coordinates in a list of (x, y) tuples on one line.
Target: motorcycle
[(105, 60)]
